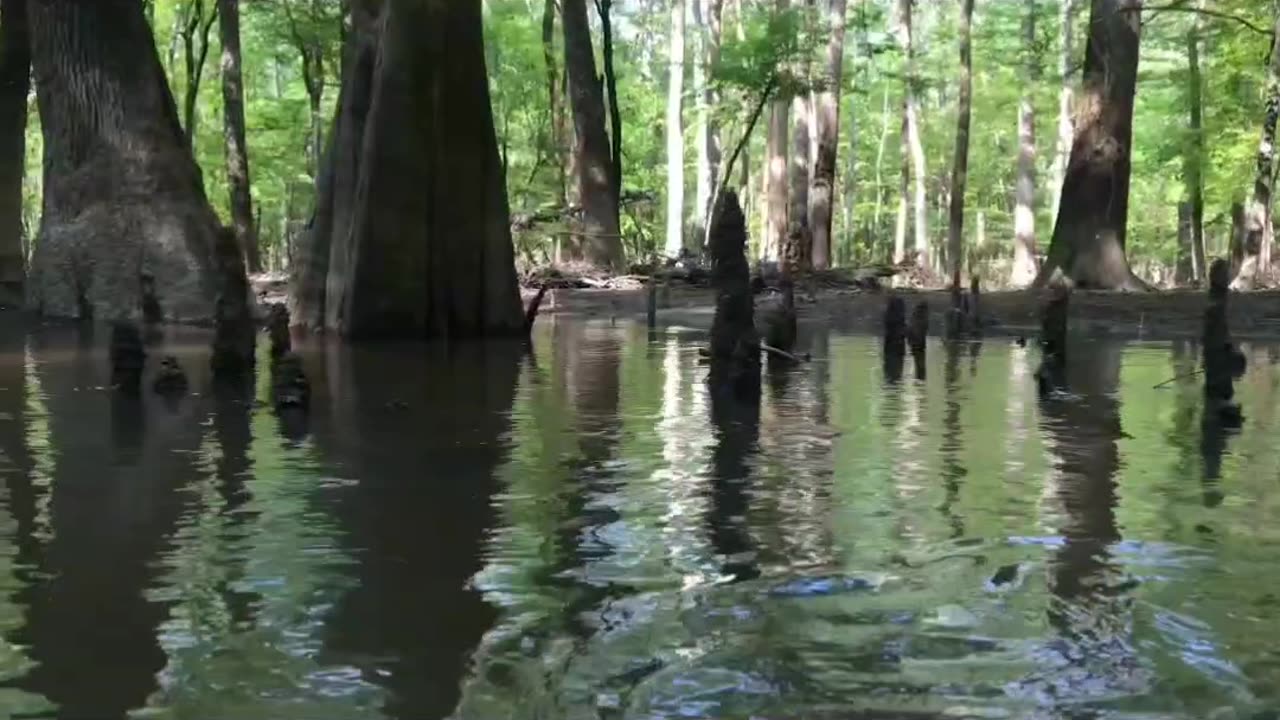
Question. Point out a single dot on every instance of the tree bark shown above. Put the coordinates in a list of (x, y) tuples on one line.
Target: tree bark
[(124, 205), (798, 208), (1066, 100), (1024, 223), (707, 16), (421, 243), (1089, 237), (914, 141), (827, 119), (195, 39), (1195, 152), (611, 94), (675, 132), (776, 181), (237, 151), (902, 225), (15, 83), (960, 164), (1258, 231), (601, 243)]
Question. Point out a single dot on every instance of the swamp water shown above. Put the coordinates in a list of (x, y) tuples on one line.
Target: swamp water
[(581, 534)]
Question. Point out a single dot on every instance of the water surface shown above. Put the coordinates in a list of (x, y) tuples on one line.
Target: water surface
[(477, 533)]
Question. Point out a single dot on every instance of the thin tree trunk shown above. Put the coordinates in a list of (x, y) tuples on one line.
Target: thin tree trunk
[(601, 244), (1066, 101), (611, 90), (114, 223), (1258, 230), (776, 181), (1089, 237), (904, 195), (914, 140), (413, 198), (1024, 223), (15, 83), (195, 38), (675, 132), (555, 102), (827, 118), (1195, 158), (798, 209), (707, 15), (885, 129), (236, 146), (960, 165)]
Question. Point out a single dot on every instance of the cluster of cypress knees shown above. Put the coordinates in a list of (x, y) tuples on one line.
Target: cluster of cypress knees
[(737, 342), (233, 357)]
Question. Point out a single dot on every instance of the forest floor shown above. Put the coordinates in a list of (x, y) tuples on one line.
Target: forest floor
[(1154, 315)]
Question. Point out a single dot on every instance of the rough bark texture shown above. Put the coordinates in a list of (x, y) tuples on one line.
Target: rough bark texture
[(775, 234), (1024, 219), (1182, 269), (237, 151), (413, 203), (601, 243), (827, 121), (123, 199), (1259, 233), (318, 265), (914, 140), (1195, 149), (707, 15), (960, 163), (675, 132), (735, 347), (15, 83), (1066, 100), (1089, 236), (798, 242)]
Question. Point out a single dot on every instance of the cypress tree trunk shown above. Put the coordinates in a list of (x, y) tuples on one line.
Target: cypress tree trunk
[(413, 202), (775, 234), (601, 244), (1024, 230), (124, 205), (827, 120), (675, 132), (1089, 237), (1258, 231), (798, 208), (912, 134), (960, 166), (1066, 100), (237, 151), (1195, 151), (707, 15), (15, 83)]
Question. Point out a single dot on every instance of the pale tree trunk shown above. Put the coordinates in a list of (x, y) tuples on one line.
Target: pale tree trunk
[(708, 16), (601, 244), (798, 208), (115, 224), (960, 164), (412, 196), (1195, 149), (776, 181), (827, 120), (1258, 232), (195, 41), (15, 83), (1066, 99), (675, 132), (237, 152), (1089, 237), (914, 139), (904, 195), (1024, 219)]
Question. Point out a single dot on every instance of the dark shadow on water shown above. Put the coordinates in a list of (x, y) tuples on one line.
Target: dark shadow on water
[(420, 434), (953, 469), (736, 422)]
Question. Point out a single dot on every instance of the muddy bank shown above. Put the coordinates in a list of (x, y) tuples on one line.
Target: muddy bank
[(1173, 313)]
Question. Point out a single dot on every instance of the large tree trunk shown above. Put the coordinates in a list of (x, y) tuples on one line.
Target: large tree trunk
[(707, 16), (411, 201), (1024, 219), (797, 254), (1259, 233), (827, 119), (914, 140), (237, 151), (960, 164), (601, 243), (124, 206), (1089, 237), (1066, 99), (15, 83), (675, 132), (1195, 149)]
